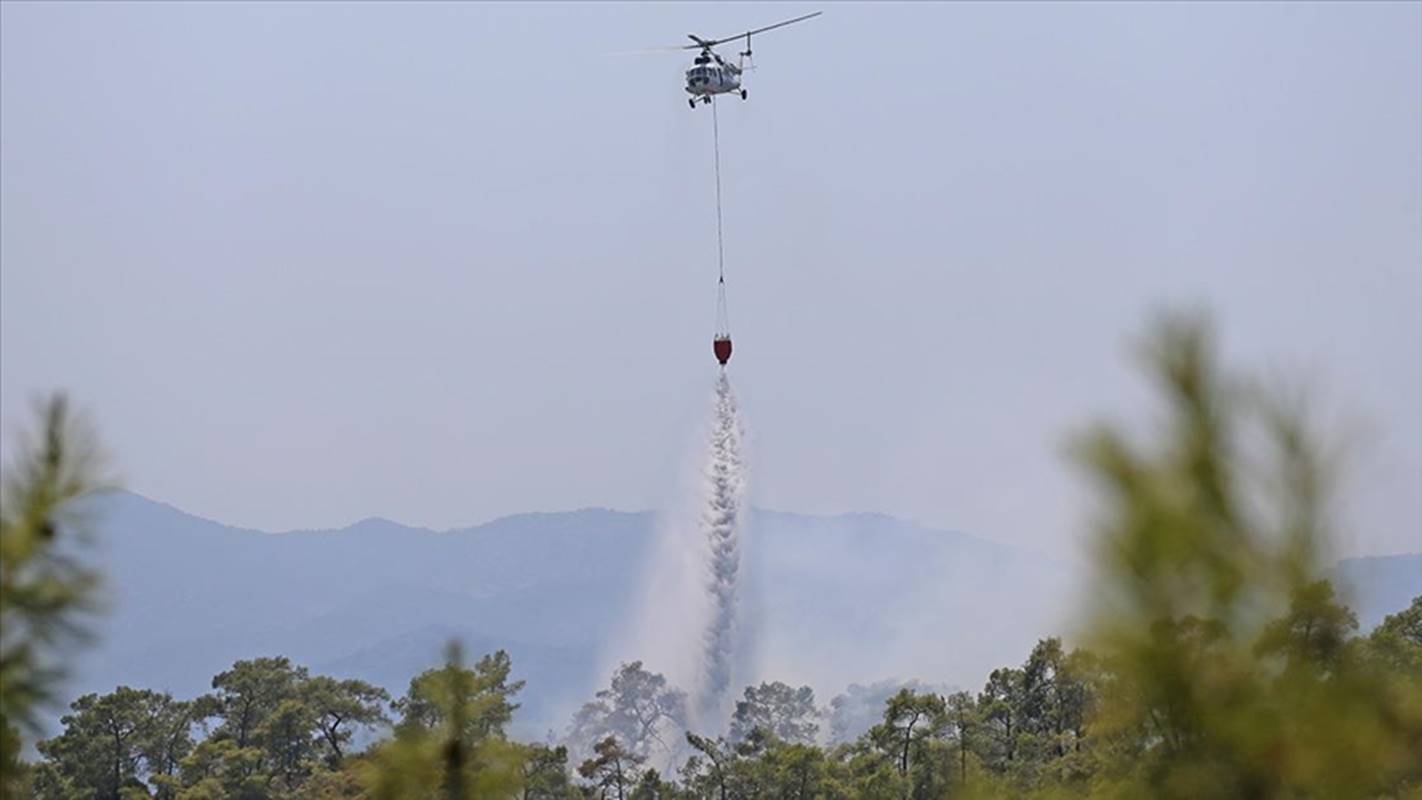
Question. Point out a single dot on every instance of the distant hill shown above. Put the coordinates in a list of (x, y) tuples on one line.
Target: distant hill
[(829, 600)]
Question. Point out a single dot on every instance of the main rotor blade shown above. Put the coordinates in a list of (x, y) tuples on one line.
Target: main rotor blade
[(672, 48), (715, 42), (779, 24)]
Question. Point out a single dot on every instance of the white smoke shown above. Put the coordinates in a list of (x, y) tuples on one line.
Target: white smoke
[(722, 497)]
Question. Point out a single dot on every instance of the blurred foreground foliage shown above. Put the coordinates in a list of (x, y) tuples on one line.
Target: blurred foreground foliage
[(1233, 669), (45, 593), (1214, 662)]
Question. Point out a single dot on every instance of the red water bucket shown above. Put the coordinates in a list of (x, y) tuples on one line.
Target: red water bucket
[(722, 347)]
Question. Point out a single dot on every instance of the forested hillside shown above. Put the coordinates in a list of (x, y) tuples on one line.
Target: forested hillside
[(271, 728)]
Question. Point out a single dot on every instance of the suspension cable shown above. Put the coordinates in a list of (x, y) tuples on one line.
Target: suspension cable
[(716, 144)]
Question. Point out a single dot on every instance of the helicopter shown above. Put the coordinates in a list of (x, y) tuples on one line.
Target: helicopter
[(710, 74)]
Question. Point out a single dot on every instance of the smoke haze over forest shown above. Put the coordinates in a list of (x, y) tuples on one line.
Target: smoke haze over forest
[(828, 601)]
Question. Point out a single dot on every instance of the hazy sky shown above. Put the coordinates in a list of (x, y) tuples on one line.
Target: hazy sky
[(310, 263)]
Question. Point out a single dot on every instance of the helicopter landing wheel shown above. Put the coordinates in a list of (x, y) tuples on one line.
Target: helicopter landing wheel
[(743, 94), (691, 103)]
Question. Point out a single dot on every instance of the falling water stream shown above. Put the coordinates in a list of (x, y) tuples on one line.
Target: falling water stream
[(721, 502)]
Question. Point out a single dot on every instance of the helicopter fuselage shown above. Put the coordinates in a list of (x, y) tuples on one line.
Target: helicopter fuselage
[(709, 77)]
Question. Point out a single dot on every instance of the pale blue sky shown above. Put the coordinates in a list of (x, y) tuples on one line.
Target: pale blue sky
[(441, 262)]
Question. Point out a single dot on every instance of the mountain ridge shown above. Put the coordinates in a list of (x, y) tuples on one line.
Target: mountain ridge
[(377, 519)]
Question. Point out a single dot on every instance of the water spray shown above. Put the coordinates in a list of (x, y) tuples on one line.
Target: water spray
[(722, 498)]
